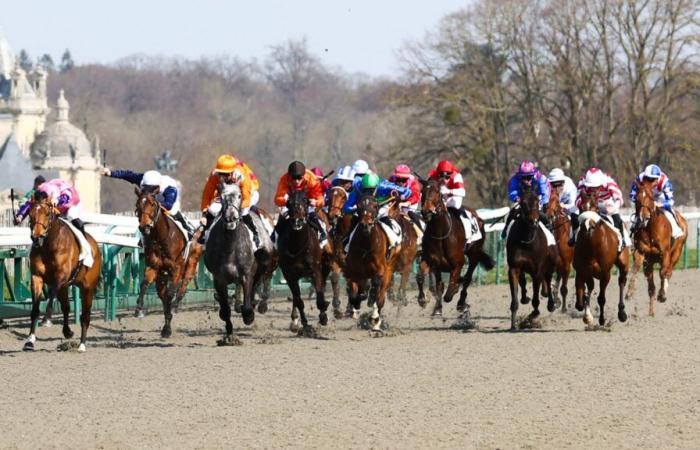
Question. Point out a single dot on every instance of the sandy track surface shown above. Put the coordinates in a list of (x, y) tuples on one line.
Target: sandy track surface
[(635, 385)]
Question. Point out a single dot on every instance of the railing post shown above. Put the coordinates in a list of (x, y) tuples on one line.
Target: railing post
[(697, 246)]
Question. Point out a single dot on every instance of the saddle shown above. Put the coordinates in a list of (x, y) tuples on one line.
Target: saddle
[(85, 257)]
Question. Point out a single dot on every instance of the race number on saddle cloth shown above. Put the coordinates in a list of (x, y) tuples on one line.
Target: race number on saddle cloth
[(609, 199), (453, 193), (662, 189)]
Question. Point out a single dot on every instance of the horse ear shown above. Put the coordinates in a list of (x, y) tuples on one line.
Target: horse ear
[(137, 191)]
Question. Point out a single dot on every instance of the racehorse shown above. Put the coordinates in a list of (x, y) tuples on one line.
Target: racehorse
[(653, 244), (300, 256), (527, 252), (594, 256), (370, 259), (229, 256), (339, 227), (54, 263), (561, 224), (443, 249)]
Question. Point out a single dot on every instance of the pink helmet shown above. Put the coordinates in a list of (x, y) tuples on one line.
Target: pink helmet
[(402, 171), (317, 171), (527, 168)]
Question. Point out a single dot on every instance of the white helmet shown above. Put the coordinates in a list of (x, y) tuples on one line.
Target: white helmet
[(594, 178), (556, 175), (346, 174), (360, 167), (652, 171), (151, 178)]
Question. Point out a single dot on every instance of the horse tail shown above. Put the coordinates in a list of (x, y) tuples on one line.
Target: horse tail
[(486, 261)]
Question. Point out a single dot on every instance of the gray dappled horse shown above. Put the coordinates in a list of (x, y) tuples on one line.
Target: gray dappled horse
[(229, 256)]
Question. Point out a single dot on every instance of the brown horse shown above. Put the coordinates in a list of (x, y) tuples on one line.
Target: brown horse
[(562, 230), (443, 249), (594, 256), (653, 244), (54, 263), (404, 263), (339, 227), (370, 260), (527, 252), (165, 248)]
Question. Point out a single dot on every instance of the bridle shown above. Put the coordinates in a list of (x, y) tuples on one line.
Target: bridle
[(156, 215), (438, 209), (38, 241)]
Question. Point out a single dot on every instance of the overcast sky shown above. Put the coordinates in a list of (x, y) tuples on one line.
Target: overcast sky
[(356, 35)]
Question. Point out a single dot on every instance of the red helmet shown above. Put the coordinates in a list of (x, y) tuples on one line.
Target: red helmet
[(317, 171), (402, 171), (446, 166)]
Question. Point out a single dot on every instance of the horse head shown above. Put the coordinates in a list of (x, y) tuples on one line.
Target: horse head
[(553, 209), (337, 196), (644, 205), (367, 211), (147, 210), (41, 217), (431, 200), (231, 198), (589, 202), (298, 207), (530, 209)]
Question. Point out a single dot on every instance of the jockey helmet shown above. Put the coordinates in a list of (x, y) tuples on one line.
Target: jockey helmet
[(225, 164), (360, 167), (346, 174), (151, 178), (296, 170), (317, 171), (446, 167), (652, 171), (370, 181), (556, 176), (526, 169), (594, 178), (402, 171)]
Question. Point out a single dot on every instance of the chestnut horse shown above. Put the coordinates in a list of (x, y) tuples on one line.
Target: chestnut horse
[(561, 223), (369, 259), (443, 249), (527, 252), (54, 263), (653, 244), (594, 256), (165, 248), (339, 227)]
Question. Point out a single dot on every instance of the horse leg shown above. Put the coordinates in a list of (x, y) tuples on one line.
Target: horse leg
[(452, 285), (62, 295), (536, 285), (664, 273), (604, 280), (651, 288), (379, 304), (190, 270), (48, 314), (87, 294), (149, 277), (354, 300), (248, 311), (562, 281), (550, 292), (236, 297), (513, 281), (297, 305), (224, 307), (423, 271), (522, 280), (335, 284), (321, 303), (439, 287), (37, 291), (162, 288), (466, 281), (405, 275), (621, 280), (638, 259)]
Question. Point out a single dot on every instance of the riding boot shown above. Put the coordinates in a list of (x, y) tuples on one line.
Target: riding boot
[(617, 220), (574, 229), (77, 223), (203, 228), (315, 223), (248, 220), (185, 224), (415, 218)]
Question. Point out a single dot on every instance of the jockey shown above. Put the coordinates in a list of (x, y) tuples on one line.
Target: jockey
[(38, 181), (298, 178), (63, 196), (662, 190), (609, 196), (402, 176), (567, 191), (325, 182), (344, 178), (528, 177), (230, 170), (164, 187)]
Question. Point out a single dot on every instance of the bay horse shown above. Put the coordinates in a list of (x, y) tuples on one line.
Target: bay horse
[(561, 224), (339, 227), (653, 244), (369, 260), (595, 254), (527, 252), (443, 249), (229, 256), (53, 261), (165, 250), (300, 256)]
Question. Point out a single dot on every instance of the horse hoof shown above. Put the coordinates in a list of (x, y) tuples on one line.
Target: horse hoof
[(579, 307), (661, 299), (67, 333), (81, 348), (422, 302), (46, 323), (139, 314), (28, 346), (588, 319), (437, 313), (323, 319), (294, 327), (461, 306), (262, 307), (525, 300), (238, 308), (551, 306), (166, 332), (248, 316), (337, 314), (622, 316)]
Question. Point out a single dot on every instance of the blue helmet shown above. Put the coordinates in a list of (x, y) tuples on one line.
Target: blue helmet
[(652, 171)]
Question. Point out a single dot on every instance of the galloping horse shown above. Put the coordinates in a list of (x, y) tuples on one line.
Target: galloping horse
[(300, 256), (229, 257), (369, 259), (653, 244), (443, 249), (54, 262), (527, 252), (165, 249), (594, 256), (562, 232), (339, 227)]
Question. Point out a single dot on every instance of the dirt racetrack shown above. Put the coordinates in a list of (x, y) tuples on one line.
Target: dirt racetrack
[(636, 385)]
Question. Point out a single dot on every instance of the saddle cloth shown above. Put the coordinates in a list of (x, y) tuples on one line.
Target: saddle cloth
[(548, 234), (393, 234), (607, 220), (85, 257)]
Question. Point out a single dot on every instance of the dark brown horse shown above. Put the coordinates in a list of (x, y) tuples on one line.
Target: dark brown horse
[(54, 263), (561, 223), (595, 255), (527, 252), (300, 256), (369, 260), (443, 249), (165, 248), (653, 244), (339, 227)]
